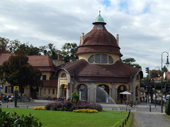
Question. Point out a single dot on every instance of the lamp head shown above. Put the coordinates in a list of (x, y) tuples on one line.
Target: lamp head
[(167, 62)]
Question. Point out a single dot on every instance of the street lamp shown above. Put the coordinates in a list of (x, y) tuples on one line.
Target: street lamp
[(167, 63)]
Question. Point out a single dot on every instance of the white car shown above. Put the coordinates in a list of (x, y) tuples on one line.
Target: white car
[(0, 103)]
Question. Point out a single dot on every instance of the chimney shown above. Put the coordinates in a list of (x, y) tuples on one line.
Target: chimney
[(82, 39), (59, 57), (117, 38)]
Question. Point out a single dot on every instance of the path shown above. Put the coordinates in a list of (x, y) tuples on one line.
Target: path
[(145, 118)]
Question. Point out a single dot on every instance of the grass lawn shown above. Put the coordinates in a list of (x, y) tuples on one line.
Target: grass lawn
[(71, 119)]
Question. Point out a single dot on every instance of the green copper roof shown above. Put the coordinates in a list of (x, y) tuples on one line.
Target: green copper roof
[(99, 19)]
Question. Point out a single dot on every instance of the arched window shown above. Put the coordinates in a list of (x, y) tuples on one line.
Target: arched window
[(91, 59), (83, 91), (100, 58), (110, 59), (63, 75)]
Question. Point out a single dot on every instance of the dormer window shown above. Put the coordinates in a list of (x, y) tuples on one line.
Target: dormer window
[(100, 58), (63, 75)]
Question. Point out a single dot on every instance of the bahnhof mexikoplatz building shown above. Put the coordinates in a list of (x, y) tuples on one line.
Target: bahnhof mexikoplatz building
[(98, 65)]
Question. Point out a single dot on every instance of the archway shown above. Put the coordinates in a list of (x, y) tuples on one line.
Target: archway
[(101, 96), (63, 91), (34, 92), (82, 89), (121, 97), (136, 93)]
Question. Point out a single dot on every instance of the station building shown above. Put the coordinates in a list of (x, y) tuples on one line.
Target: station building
[(98, 65)]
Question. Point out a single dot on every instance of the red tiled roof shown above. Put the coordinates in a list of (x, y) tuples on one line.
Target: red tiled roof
[(96, 38), (50, 83), (4, 57), (40, 61), (118, 72), (43, 63)]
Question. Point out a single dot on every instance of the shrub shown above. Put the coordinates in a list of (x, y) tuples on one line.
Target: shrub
[(167, 111), (48, 106), (70, 106), (13, 120), (74, 97)]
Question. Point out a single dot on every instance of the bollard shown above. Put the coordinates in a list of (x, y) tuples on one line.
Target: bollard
[(7, 106), (27, 106), (150, 107), (122, 124)]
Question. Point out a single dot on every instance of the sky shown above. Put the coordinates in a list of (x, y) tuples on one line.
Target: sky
[(143, 25)]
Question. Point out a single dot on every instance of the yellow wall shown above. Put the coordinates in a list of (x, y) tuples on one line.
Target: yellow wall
[(86, 56), (47, 94), (58, 62), (48, 74)]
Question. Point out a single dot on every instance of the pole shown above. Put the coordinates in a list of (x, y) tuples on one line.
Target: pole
[(16, 97), (162, 77)]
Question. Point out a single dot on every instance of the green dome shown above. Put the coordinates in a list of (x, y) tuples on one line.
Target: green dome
[(99, 19)]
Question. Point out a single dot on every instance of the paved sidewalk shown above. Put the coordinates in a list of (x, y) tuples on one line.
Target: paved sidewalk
[(145, 118)]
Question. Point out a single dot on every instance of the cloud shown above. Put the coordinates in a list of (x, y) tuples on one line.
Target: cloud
[(143, 26)]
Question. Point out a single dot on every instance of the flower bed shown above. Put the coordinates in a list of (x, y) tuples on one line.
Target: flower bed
[(69, 106), (85, 111), (39, 108)]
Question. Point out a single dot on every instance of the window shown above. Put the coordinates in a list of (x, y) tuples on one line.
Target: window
[(44, 77), (101, 58), (110, 59), (91, 59), (5, 89), (53, 91), (9, 89), (63, 75), (44, 91), (48, 91)]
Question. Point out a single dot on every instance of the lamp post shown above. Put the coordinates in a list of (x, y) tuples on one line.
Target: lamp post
[(155, 85), (167, 63)]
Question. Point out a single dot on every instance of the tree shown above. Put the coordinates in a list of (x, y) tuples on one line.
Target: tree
[(3, 43), (130, 61), (15, 46), (69, 52), (18, 72)]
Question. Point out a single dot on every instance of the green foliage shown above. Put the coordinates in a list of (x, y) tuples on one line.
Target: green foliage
[(3, 43), (70, 106), (17, 71), (14, 120), (74, 97), (167, 111), (68, 52), (130, 61)]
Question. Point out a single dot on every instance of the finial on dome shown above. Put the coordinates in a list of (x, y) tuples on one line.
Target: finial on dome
[(99, 19), (99, 11)]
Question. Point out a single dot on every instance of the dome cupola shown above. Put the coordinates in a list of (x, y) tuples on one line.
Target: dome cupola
[(98, 40)]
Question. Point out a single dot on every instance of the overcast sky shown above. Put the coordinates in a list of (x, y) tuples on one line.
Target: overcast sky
[(143, 25)]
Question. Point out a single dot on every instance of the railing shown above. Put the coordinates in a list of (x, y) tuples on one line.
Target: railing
[(125, 121)]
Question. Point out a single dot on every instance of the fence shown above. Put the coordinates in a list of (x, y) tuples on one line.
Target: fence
[(124, 123)]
